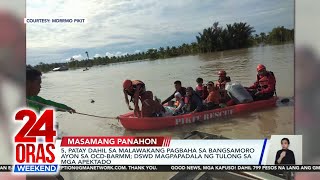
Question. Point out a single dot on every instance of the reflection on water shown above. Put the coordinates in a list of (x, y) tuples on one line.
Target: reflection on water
[(103, 84)]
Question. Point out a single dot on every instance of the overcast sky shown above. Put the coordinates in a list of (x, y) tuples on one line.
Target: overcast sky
[(117, 27)]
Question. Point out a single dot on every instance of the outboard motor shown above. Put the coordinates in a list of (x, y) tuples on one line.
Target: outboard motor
[(238, 93)]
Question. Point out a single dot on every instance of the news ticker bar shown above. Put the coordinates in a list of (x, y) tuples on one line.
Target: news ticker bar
[(166, 168)]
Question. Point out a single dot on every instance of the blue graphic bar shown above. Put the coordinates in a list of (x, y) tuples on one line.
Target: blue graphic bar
[(262, 152), (36, 168)]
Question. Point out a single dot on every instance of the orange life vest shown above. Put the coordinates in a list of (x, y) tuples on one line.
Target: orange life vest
[(263, 81), (267, 81), (220, 85), (176, 104), (221, 88)]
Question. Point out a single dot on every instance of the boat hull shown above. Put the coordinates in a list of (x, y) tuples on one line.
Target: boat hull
[(130, 122)]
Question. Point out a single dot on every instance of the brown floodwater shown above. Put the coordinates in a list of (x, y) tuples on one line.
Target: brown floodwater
[(103, 84)]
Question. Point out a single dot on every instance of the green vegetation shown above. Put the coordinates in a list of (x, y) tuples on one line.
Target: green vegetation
[(278, 35), (214, 38)]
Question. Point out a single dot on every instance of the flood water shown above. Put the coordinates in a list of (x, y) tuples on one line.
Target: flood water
[(103, 84)]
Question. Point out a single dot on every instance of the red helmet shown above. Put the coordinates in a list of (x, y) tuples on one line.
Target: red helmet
[(222, 73), (127, 84), (260, 67)]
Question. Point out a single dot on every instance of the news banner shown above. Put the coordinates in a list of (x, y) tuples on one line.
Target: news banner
[(37, 150)]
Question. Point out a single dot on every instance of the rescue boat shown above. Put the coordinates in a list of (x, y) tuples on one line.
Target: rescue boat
[(130, 122)]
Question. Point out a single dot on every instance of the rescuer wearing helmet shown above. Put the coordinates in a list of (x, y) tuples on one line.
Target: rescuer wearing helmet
[(221, 85), (265, 85), (135, 89)]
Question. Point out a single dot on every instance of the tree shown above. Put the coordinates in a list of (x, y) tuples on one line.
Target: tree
[(213, 38), (280, 35)]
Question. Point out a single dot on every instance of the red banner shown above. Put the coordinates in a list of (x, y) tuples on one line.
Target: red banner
[(76, 141)]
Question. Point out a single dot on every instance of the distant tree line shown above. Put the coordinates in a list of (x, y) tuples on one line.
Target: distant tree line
[(211, 39)]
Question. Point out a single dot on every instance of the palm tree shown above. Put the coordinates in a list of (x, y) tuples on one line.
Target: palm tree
[(161, 51), (257, 38), (214, 38), (194, 48), (263, 36)]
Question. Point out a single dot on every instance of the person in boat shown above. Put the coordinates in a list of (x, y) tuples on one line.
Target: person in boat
[(193, 102), (178, 104), (265, 85), (150, 107), (201, 89), (213, 99), (33, 87), (135, 90), (220, 84), (178, 88)]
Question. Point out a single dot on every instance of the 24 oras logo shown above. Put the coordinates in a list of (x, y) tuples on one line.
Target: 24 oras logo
[(32, 157)]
